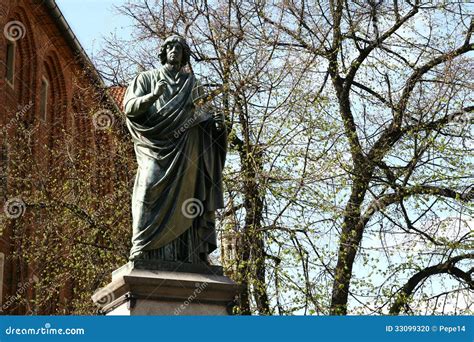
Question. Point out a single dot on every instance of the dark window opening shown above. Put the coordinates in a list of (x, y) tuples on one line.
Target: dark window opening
[(44, 98), (10, 63)]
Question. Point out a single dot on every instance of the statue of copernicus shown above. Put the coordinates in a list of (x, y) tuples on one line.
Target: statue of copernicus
[(180, 149)]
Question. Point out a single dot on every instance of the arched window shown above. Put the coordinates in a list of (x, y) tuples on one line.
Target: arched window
[(20, 59), (52, 103)]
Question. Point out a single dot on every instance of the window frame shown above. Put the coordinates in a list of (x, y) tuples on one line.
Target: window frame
[(44, 94), (10, 63)]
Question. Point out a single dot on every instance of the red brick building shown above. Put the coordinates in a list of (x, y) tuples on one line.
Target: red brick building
[(47, 83)]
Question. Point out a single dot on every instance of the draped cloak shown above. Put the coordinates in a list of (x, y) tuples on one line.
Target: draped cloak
[(180, 156)]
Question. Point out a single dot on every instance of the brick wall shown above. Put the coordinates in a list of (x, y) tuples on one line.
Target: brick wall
[(42, 54)]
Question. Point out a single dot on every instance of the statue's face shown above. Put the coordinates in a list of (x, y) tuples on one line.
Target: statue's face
[(174, 53)]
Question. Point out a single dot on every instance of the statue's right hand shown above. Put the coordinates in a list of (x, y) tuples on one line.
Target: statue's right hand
[(159, 89)]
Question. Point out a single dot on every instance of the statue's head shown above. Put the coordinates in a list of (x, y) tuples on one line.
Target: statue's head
[(175, 47)]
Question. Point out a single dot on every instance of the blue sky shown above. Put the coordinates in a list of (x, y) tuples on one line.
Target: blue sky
[(91, 20)]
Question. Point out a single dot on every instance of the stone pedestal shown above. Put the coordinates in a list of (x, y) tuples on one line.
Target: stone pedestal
[(167, 288)]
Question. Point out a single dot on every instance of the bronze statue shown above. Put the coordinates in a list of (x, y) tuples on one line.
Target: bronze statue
[(180, 149)]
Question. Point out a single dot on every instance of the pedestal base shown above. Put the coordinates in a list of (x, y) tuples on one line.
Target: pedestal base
[(167, 288)]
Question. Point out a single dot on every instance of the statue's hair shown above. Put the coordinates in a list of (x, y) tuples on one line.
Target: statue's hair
[(186, 50)]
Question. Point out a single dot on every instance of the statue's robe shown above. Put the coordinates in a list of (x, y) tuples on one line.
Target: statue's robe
[(180, 156)]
